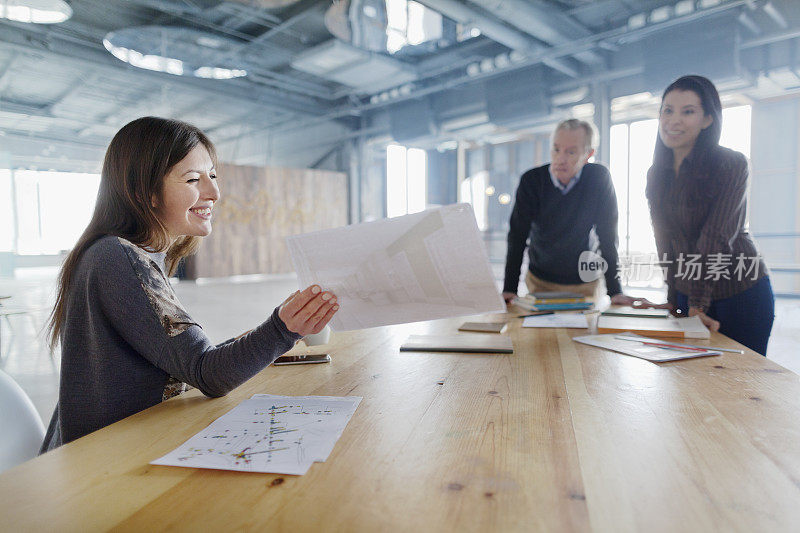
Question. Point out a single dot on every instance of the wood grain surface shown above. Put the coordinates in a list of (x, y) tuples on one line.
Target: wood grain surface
[(558, 436)]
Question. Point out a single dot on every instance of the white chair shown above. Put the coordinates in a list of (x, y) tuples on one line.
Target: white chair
[(23, 431)]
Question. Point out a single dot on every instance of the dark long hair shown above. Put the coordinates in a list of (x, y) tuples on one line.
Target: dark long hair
[(708, 140), (140, 155)]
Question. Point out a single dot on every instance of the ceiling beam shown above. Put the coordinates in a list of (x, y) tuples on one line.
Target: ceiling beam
[(5, 71), (541, 22), (294, 14), (74, 125), (298, 12), (83, 80), (55, 138), (495, 29), (187, 9), (242, 120)]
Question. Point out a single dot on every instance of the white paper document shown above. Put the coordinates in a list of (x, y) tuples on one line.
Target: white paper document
[(655, 350), (267, 433), (557, 320), (416, 267)]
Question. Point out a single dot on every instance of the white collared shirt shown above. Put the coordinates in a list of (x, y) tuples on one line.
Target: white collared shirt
[(570, 184)]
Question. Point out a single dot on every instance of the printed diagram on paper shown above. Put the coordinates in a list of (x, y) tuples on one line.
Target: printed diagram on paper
[(416, 267), (266, 433)]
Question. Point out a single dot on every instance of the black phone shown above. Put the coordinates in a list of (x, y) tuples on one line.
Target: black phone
[(302, 359)]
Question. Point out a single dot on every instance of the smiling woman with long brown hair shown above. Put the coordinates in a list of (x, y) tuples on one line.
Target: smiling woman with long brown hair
[(126, 341), (697, 192)]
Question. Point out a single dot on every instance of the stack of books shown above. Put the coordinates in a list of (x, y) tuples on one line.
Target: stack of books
[(553, 301)]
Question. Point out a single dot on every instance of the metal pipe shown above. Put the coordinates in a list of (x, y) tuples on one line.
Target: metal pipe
[(541, 22), (769, 39)]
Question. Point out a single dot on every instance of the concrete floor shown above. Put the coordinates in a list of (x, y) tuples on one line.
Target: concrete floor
[(224, 309)]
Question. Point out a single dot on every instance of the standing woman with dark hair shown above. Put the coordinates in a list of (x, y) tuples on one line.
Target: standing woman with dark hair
[(697, 192), (126, 341)]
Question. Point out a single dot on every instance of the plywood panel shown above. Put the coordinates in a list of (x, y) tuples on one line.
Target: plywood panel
[(258, 208)]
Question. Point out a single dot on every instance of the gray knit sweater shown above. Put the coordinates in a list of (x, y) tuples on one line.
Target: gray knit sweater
[(127, 343)]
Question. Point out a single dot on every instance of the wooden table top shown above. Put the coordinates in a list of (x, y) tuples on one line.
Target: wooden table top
[(557, 436)]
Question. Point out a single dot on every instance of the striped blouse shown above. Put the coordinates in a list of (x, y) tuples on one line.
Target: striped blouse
[(700, 223)]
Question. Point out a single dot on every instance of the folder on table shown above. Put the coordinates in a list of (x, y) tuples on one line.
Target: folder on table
[(575, 306), (553, 304), (634, 312), (483, 327), (669, 327), (549, 295), (465, 343)]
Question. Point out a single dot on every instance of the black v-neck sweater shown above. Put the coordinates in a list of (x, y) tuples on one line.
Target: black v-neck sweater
[(556, 227)]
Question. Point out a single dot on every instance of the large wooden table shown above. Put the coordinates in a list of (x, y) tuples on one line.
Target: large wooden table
[(558, 436)]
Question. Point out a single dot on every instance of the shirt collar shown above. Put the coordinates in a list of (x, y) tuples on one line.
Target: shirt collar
[(570, 184), (159, 258)]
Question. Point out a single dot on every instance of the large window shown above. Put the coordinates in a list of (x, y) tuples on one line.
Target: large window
[(410, 23), (492, 173), (44, 212), (406, 180), (6, 212), (631, 155)]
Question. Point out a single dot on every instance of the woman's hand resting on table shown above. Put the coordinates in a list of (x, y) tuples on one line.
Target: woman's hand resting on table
[(308, 311), (637, 303), (709, 322)]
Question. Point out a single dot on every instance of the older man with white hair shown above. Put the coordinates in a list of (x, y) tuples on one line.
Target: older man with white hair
[(566, 214)]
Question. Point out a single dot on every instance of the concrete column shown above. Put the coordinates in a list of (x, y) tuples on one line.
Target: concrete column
[(461, 168), (356, 175), (602, 119)]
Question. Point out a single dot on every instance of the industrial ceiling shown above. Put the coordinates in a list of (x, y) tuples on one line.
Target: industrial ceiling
[(303, 76)]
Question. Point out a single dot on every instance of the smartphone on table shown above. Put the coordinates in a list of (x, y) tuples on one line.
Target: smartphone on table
[(302, 359)]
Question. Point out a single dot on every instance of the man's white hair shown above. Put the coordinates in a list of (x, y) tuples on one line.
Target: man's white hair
[(589, 131)]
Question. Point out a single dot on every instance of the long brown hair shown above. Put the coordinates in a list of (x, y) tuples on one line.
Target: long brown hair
[(140, 155)]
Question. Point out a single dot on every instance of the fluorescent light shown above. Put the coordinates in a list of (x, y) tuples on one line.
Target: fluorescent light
[(177, 53), (35, 11), (218, 73), (146, 61)]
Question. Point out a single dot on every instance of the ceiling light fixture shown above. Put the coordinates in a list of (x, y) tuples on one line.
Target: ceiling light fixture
[(174, 50), (35, 11)]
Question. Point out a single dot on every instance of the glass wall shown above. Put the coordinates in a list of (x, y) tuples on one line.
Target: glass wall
[(406, 180), (44, 212), (7, 242), (492, 176)]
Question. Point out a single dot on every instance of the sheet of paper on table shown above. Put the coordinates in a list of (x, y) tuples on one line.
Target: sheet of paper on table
[(645, 348), (556, 320), (268, 433), (416, 267)]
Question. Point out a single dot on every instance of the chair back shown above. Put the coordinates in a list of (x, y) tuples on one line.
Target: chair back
[(22, 429)]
